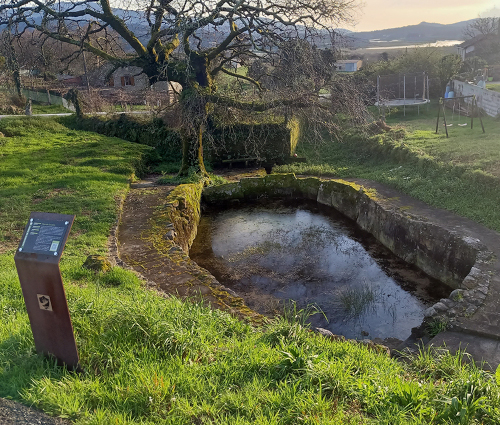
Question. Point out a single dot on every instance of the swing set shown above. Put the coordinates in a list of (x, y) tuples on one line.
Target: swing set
[(460, 107)]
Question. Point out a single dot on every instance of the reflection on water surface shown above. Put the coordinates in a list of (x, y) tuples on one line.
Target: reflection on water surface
[(272, 253)]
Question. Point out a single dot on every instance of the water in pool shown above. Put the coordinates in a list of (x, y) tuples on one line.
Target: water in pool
[(273, 252)]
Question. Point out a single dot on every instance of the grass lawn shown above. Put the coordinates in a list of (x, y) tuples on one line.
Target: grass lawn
[(460, 173), (48, 109), (153, 360), (494, 87), (466, 147)]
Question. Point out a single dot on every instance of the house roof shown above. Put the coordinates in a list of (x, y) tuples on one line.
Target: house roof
[(475, 40)]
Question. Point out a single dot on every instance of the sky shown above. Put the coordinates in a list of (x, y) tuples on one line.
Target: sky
[(382, 14)]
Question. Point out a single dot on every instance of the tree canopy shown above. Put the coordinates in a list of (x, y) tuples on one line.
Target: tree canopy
[(189, 42)]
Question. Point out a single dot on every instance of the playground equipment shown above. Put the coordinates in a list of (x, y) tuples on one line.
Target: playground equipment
[(465, 106), (402, 90)]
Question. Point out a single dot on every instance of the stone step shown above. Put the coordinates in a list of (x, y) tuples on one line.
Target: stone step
[(485, 322), (485, 351)]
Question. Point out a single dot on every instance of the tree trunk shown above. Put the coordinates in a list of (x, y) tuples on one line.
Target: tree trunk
[(195, 111), (192, 153), (17, 82), (13, 64)]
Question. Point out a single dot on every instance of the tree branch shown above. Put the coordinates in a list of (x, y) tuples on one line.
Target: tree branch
[(243, 77)]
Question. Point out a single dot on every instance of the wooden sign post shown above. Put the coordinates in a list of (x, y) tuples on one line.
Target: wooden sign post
[(37, 263)]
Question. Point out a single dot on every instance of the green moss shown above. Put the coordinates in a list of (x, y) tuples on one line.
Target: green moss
[(97, 263), (280, 184), (253, 187), (222, 193), (309, 187), (269, 142), (184, 212)]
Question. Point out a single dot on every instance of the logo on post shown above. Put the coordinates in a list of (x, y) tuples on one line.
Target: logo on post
[(44, 302)]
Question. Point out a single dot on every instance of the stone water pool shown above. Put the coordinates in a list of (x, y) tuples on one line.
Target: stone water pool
[(273, 252)]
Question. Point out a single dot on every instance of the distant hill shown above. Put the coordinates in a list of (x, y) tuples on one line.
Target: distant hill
[(425, 32)]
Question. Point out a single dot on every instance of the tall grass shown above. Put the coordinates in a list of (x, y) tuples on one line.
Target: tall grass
[(355, 301)]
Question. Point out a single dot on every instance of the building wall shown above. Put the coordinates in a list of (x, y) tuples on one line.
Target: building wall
[(140, 81), (468, 52), (136, 79), (487, 100)]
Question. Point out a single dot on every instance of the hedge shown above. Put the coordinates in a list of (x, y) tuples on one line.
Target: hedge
[(267, 142)]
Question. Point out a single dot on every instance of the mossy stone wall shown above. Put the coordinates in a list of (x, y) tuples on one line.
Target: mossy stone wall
[(149, 131), (269, 142), (183, 205)]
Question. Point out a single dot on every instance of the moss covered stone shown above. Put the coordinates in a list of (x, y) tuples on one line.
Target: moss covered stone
[(183, 205), (270, 142), (344, 196), (253, 187), (97, 263), (274, 185), (281, 185), (309, 187), (223, 193)]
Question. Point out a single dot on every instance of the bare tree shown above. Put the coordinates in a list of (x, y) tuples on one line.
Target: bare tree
[(481, 26), (189, 42), (11, 59)]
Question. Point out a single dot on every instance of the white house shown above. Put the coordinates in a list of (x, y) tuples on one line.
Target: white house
[(469, 47), (350, 65)]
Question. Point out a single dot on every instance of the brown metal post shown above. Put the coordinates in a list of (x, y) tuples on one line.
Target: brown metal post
[(445, 124), (439, 110), (37, 262), (472, 112), (479, 115)]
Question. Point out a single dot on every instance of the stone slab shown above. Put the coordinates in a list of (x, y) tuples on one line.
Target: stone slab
[(482, 349)]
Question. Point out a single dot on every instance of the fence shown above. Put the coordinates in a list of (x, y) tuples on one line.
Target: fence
[(487, 100), (49, 97)]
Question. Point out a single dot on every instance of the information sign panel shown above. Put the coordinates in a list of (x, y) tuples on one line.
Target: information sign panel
[(37, 263), (45, 236)]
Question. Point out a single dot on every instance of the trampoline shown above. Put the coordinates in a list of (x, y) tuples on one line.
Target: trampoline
[(402, 90)]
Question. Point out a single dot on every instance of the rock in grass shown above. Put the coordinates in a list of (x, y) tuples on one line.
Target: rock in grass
[(325, 332), (97, 263)]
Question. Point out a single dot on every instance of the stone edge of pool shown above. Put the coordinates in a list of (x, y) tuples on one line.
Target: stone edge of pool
[(445, 251)]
